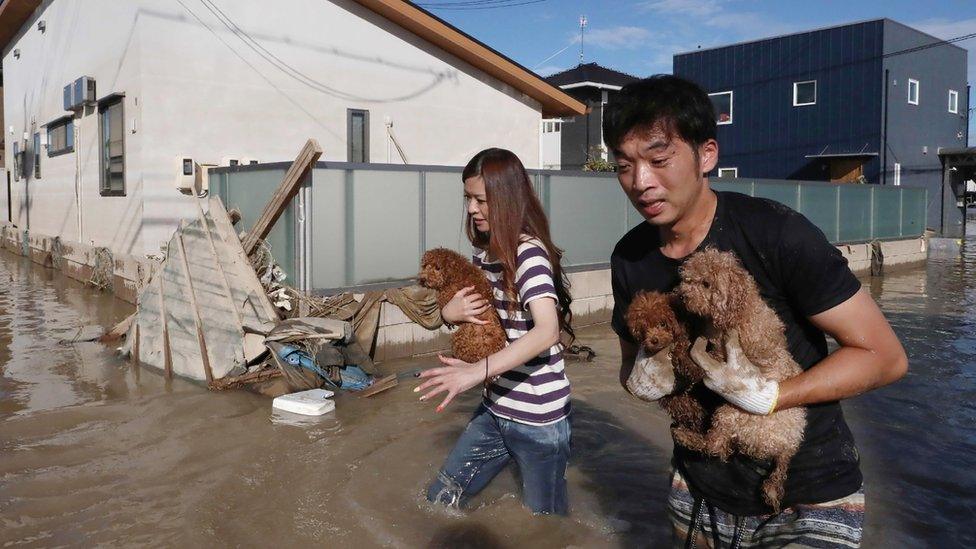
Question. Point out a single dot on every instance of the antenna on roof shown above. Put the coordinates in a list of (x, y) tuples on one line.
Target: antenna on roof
[(582, 22)]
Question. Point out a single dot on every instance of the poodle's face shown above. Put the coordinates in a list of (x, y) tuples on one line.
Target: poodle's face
[(438, 267), (652, 320), (712, 284)]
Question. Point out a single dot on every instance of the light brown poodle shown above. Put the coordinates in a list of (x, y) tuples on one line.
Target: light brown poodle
[(447, 271), (715, 286), (656, 321)]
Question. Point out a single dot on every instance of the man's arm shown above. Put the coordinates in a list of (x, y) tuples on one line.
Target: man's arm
[(628, 352), (870, 356)]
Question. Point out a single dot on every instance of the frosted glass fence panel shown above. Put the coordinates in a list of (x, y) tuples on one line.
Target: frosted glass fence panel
[(587, 215), (887, 214), (329, 219), (819, 204), (369, 224), (444, 212), (250, 191), (855, 213), (913, 210), (784, 193)]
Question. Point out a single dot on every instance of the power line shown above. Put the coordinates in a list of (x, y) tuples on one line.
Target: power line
[(255, 69), (296, 74)]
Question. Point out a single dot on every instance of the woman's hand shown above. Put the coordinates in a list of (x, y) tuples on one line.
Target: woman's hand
[(455, 378), (465, 306)]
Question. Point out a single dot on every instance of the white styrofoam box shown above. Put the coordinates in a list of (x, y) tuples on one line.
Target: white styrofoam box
[(314, 402)]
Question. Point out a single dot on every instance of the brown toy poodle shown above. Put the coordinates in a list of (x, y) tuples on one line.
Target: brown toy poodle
[(715, 286), (447, 271), (657, 321)]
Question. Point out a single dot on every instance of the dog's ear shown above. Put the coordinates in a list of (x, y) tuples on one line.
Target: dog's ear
[(732, 283), (637, 316)]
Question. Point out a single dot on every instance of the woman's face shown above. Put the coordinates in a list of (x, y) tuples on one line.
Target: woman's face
[(476, 202)]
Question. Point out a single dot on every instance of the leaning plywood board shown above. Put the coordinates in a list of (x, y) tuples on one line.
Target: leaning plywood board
[(189, 318), (248, 293)]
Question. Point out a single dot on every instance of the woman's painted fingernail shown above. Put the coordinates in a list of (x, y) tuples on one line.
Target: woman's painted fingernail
[(416, 389)]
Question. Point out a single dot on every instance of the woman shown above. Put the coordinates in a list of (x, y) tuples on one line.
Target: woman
[(525, 412)]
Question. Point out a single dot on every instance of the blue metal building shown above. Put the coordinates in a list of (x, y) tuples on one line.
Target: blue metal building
[(872, 101)]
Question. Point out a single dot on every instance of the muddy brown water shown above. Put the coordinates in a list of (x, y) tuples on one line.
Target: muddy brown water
[(94, 452)]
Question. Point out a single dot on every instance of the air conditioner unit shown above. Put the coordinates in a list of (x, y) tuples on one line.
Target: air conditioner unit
[(79, 93), (192, 177), (230, 161)]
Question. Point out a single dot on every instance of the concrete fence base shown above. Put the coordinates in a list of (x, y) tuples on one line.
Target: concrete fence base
[(77, 260)]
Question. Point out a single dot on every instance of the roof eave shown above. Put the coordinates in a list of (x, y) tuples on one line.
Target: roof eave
[(13, 15), (554, 101)]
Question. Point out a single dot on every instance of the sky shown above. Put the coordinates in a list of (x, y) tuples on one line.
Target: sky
[(640, 37)]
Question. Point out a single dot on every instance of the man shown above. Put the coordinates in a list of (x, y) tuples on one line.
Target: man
[(662, 133)]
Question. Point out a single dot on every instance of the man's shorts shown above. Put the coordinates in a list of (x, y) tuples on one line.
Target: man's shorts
[(835, 523)]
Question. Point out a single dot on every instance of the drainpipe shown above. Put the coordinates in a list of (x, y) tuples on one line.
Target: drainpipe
[(968, 111), (77, 155), (884, 134)]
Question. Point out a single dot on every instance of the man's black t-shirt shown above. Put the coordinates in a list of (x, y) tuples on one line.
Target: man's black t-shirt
[(799, 274)]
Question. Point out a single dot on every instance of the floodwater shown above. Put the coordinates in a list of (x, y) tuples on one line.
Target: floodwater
[(94, 452)]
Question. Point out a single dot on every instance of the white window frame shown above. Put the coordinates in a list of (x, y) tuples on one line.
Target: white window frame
[(953, 101), (897, 174), (731, 106), (918, 91), (796, 86), (735, 172)]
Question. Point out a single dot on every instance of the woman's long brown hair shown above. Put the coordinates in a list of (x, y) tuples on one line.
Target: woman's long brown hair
[(514, 210)]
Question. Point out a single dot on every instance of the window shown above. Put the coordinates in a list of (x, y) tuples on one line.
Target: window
[(897, 173), (728, 172), (60, 137), (913, 91), (357, 124), (18, 160), (112, 145), (804, 93), (36, 146), (722, 101), (953, 101)]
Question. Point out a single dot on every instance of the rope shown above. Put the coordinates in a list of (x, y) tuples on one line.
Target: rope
[(102, 270), (57, 253)]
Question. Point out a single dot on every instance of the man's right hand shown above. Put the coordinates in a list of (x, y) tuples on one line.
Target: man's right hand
[(652, 376), (465, 306)]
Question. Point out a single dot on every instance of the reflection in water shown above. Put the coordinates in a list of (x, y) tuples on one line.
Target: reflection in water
[(96, 452)]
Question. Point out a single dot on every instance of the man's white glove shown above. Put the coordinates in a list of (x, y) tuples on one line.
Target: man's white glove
[(652, 376), (737, 380)]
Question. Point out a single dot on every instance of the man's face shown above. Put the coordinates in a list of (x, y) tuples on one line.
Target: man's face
[(661, 176)]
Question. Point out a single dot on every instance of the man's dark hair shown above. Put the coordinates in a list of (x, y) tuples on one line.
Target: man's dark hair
[(677, 106)]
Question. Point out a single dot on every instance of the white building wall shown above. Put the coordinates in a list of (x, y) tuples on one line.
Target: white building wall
[(75, 43), (252, 81)]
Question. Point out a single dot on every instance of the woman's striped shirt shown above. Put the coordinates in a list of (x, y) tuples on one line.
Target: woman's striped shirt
[(537, 392)]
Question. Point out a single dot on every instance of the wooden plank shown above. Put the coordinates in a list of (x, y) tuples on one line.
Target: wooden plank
[(245, 272), (167, 352), (287, 190), (134, 355), (218, 314), (205, 227), (194, 308)]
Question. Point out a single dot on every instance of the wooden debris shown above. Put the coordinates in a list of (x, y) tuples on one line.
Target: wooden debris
[(287, 190), (237, 382), (190, 318)]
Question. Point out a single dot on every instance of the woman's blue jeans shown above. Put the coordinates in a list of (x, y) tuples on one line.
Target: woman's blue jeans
[(486, 446)]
